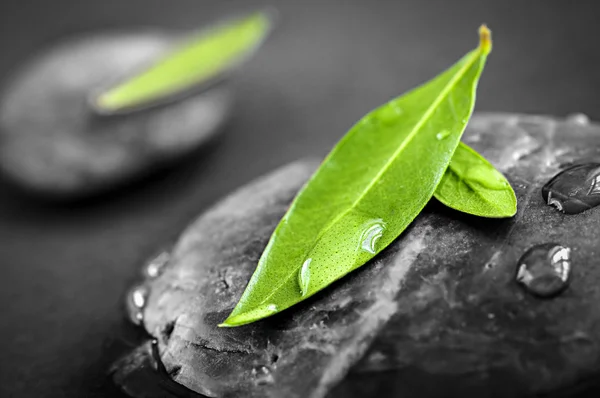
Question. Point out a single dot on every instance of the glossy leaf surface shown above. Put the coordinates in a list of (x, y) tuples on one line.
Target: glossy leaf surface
[(472, 185), (200, 59), (370, 187)]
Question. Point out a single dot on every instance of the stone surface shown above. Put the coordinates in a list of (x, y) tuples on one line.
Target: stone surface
[(53, 143), (300, 353), (463, 325), (440, 307)]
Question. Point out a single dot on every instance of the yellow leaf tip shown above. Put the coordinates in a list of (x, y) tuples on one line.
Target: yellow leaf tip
[(101, 103), (485, 39)]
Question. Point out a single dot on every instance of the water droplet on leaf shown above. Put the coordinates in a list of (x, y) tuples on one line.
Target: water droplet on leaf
[(136, 302), (272, 308), (396, 108), (574, 189), (487, 177), (544, 270), (304, 276), (388, 114), (371, 234), (442, 135)]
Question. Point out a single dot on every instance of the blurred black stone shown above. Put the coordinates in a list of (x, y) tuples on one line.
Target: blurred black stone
[(53, 143)]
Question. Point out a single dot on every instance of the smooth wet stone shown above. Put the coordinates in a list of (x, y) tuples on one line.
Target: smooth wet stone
[(575, 189), (298, 354), (54, 144), (438, 310), (463, 327)]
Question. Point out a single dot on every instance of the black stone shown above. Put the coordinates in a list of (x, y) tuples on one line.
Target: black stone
[(299, 353), (54, 144), (574, 189), (463, 326), (439, 310)]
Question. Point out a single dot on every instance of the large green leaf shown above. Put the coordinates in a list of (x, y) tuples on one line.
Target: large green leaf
[(198, 60), (472, 185), (366, 192)]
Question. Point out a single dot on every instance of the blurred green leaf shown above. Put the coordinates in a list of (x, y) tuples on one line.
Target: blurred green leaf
[(200, 59)]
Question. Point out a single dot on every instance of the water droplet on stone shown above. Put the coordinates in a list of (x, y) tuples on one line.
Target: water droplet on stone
[(157, 265), (372, 231), (442, 135), (136, 302), (578, 118), (544, 269), (574, 189), (472, 138), (262, 375)]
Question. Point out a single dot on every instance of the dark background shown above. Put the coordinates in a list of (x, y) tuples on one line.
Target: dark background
[(65, 268)]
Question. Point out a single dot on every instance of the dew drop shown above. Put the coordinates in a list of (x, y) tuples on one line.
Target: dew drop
[(387, 114), (578, 118), (272, 308), (442, 135), (157, 265), (544, 270), (136, 302), (262, 375), (371, 233), (304, 276), (397, 109), (574, 189)]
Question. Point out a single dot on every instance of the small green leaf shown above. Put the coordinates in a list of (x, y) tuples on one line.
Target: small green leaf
[(371, 186), (472, 185), (199, 60)]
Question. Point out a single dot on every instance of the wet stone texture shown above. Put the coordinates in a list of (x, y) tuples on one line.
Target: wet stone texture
[(438, 314), (54, 143), (298, 354)]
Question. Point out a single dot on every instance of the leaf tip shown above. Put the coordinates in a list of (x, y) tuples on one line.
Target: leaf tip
[(485, 39), (230, 322), (269, 14), (101, 103)]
